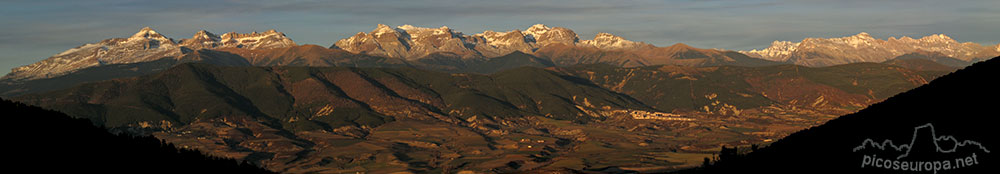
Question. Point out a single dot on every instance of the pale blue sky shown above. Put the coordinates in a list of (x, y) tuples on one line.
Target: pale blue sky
[(33, 30)]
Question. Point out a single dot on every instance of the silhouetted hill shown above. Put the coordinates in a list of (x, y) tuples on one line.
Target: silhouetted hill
[(957, 110), (59, 142)]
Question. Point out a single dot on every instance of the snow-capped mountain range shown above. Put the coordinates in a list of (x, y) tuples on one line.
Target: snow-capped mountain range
[(865, 48), (410, 42), (146, 45), (557, 44), (143, 46)]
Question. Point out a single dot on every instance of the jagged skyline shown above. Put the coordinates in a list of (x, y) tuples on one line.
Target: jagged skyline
[(37, 30)]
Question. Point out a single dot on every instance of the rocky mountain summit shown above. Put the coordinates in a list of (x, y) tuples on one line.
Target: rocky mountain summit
[(865, 48), (410, 42), (560, 45), (254, 40)]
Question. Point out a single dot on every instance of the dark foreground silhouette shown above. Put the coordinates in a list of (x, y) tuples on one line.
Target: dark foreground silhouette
[(43, 141), (946, 126)]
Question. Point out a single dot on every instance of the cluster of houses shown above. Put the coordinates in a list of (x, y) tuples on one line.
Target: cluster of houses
[(646, 115)]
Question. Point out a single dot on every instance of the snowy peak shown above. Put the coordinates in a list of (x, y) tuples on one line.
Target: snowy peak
[(778, 51), (202, 39), (254, 40), (863, 35), (234, 35), (420, 32), (382, 29), (500, 39), (537, 30), (146, 38), (937, 38), (147, 33), (411, 28), (555, 35), (940, 36), (411, 42), (610, 41), (205, 35), (608, 37)]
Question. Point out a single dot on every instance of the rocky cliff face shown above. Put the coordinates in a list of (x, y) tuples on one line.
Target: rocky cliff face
[(864, 48), (143, 46)]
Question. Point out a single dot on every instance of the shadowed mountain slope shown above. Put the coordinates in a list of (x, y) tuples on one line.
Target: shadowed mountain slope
[(838, 89), (200, 91), (79, 145), (957, 105)]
